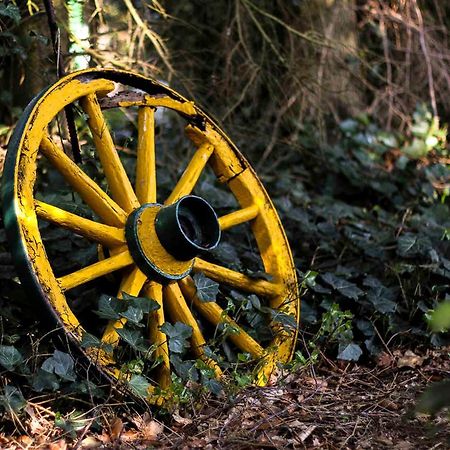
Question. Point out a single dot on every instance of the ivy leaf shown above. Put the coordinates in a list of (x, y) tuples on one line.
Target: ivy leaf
[(227, 254), (258, 275), (109, 308), (410, 245), (10, 357), (139, 385), (12, 399), (308, 279), (349, 352), (216, 195), (212, 385), (365, 327), (416, 149), (87, 387), (44, 380), (379, 297), (11, 11), (349, 126), (133, 338), (207, 289), (253, 302), (319, 289), (309, 314), (178, 335), (184, 369), (256, 315), (406, 244), (60, 364), (70, 424), (145, 304), (89, 340), (134, 315), (344, 287), (286, 320)]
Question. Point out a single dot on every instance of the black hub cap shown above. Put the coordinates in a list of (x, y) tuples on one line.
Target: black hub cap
[(188, 227)]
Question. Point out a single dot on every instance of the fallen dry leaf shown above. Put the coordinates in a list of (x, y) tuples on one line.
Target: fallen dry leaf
[(58, 445), (305, 434), (195, 442), (116, 429), (37, 424), (384, 360), (90, 442), (318, 383), (410, 359), (25, 440), (105, 438), (278, 441), (389, 404), (152, 430), (183, 421), (383, 440), (129, 436), (295, 424)]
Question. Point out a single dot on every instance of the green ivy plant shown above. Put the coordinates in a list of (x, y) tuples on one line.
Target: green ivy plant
[(370, 220)]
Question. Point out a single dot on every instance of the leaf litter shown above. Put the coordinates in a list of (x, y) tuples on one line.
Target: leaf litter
[(326, 406)]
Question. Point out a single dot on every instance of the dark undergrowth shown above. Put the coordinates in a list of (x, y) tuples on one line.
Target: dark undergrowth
[(368, 220)]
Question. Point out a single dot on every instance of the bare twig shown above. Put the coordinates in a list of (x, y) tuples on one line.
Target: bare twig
[(426, 55), (154, 38)]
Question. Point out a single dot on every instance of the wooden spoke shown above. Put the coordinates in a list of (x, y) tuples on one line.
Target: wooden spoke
[(191, 174), (146, 161), (97, 232), (108, 210), (95, 270), (215, 314), (155, 320), (180, 312), (236, 279), (118, 181), (238, 217), (132, 284)]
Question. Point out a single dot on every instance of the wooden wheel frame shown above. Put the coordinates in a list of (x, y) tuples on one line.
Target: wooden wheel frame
[(138, 253)]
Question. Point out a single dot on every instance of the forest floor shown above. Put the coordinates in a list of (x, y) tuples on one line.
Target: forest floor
[(329, 406)]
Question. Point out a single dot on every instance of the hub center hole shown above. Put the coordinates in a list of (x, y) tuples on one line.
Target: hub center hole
[(190, 228)]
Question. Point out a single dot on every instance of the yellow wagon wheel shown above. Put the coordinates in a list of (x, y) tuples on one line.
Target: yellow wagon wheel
[(146, 246)]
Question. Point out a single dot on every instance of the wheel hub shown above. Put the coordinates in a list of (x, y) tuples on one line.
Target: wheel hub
[(164, 240)]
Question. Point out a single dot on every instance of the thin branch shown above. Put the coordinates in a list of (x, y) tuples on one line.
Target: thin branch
[(426, 55), (154, 38)]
